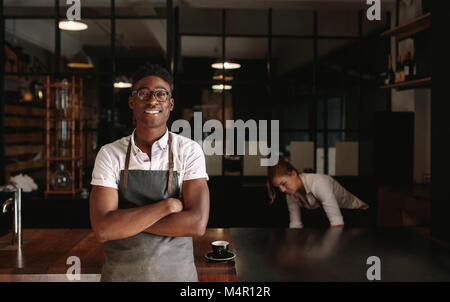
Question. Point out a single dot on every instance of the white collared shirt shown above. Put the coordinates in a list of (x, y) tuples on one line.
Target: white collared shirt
[(322, 190), (188, 158)]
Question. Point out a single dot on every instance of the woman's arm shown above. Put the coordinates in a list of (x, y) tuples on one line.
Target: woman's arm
[(323, 191), (295, 217)]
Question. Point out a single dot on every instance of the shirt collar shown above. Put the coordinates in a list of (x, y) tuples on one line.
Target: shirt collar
[(305, 184), (161, 143)]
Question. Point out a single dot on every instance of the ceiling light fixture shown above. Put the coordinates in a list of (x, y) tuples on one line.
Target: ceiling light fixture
[(220, 87), (81, 60), (228, 64), (220, 75), (122, 82), (72, 25)]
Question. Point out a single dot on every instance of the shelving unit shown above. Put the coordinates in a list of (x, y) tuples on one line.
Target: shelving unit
[(410, 28), (52, 122), (402, 32), (23, 132), (419, 83)]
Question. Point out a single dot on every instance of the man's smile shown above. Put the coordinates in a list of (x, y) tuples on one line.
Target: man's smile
[(153, 111)]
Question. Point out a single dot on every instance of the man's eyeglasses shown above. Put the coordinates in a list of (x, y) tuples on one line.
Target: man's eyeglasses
[(144, 94)]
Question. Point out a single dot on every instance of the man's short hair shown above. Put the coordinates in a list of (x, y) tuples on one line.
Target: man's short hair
[(149, 69)]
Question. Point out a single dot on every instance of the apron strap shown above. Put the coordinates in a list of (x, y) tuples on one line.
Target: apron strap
[(169, 180), (127, 163)]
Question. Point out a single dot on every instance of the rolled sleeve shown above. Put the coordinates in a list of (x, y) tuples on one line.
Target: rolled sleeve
[(104, 173), (195, 166)]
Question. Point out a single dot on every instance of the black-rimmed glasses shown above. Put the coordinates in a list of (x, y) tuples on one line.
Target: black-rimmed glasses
[(144, 94)]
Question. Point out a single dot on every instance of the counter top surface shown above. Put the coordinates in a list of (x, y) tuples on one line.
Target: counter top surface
[(261, 255), (45, 251), (338, 255)]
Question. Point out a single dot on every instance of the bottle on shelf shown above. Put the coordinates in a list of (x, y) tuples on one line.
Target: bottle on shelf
[(412, 67), (390, 76), (398, 68), (406, 65)]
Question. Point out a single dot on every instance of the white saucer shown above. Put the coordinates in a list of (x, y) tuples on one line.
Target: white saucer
[(227, 257)]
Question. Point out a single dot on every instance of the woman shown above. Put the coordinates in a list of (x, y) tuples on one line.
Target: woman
[(310, 191)]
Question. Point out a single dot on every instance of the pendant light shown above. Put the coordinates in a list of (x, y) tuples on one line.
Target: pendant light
[(228, 64), (221, 87), (122, 82), (72, 25), (222, 75), (81, 60)]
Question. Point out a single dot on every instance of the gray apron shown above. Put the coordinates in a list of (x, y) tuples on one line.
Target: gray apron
[(145, 256)]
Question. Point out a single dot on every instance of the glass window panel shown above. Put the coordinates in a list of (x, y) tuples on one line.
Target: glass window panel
[(246, 21), (338, 76), (140, 8), (194, 91), (248, 102), (320, 158), (292, 67), (30, 45), (296, 116), (337, 23), (92, 44), (89, 8), (139, 40), (29, 8), (201, 47), (246, 48), (292, 22), (333, 138), (289, 136), (200, 20), (320, 114), (334, 113), (292, 55)]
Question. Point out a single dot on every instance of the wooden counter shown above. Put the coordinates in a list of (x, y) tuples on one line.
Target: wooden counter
[(45, 252)]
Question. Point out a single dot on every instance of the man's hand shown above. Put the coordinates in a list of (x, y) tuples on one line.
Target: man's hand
[(175, 205), (110, 223), (194, 212)]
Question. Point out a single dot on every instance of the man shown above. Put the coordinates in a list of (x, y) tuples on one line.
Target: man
[(149, 192)]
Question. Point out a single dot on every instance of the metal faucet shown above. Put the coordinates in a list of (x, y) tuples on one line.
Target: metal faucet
[(16, 205)]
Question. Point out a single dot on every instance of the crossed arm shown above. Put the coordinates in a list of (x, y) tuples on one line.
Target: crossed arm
[(168, 217)]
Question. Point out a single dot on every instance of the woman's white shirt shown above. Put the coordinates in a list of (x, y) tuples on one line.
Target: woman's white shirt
[(322, 190)]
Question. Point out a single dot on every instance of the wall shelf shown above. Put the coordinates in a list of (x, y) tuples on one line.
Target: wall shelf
[(410, 28), (419, 83)]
